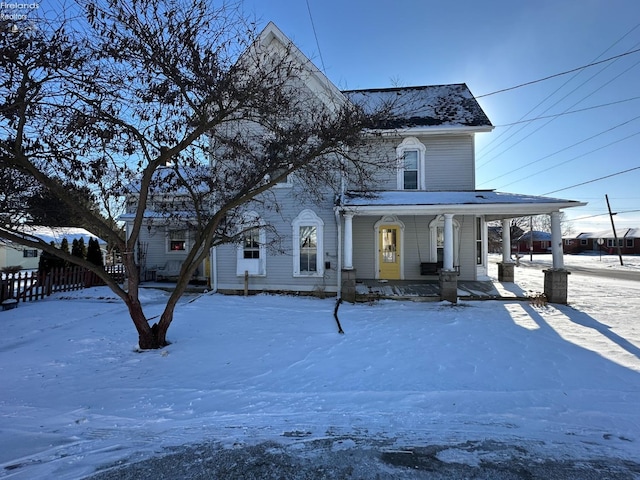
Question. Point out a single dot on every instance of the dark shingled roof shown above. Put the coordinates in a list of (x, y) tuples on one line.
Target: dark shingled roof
[(434, 105)]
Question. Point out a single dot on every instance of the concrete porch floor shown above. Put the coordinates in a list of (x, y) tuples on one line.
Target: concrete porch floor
[(429, 290)]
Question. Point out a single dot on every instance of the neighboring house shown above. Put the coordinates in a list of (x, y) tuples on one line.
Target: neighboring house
[(605, 242), (423, 216), (27, 258), (541, 242)]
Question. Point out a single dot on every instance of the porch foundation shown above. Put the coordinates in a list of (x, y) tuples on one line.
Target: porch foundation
[(556, 285), (449, 285), (348, 285), (506, 271)]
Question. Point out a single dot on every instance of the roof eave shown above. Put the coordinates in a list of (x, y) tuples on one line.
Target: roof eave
[(493, 211), (430, 130)]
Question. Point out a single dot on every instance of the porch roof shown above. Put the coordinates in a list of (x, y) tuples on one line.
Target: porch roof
[(494, 205)]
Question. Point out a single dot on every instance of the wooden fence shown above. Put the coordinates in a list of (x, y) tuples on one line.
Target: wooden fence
[(31, 286)]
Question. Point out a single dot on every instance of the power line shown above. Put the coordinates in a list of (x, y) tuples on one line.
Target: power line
[(313, 27), (571, 106), (559, 74), (574, 158), (567, 113), (603, 214), (562, 150), (547, 98), (594, 180)]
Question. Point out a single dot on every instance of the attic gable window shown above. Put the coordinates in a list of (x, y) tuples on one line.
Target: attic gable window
[(411, 164)]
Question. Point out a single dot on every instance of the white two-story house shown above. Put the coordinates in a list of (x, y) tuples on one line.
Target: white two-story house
[(422, 218)]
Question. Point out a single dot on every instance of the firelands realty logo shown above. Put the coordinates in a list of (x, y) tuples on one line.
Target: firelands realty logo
[(16, 12)]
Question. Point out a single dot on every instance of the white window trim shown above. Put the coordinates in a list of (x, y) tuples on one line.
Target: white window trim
[(257, 267), (411, 143), (308, 218), (187, 243)]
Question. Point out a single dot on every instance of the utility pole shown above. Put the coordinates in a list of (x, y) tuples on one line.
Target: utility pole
[(531, 239), (615, 235)]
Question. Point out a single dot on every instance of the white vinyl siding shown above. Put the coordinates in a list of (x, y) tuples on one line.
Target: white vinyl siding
[(448, 164)]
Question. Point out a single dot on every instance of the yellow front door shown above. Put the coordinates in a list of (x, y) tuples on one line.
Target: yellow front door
[(389, 252)]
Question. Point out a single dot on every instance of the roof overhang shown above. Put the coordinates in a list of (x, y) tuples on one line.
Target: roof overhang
[(492, 205), (429, 130)]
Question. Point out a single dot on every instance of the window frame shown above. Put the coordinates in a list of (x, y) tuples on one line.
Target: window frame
[(411, 144), (256, 267), (173, 251), (308, 218)]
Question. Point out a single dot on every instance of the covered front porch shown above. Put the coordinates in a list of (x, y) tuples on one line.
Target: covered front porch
[(388, 265)]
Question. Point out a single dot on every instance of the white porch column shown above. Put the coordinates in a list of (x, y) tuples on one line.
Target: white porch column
[(447, 263), (348, 241), (506, 240), (556, 241)]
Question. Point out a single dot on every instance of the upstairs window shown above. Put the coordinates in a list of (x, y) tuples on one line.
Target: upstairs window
[(410, 173), (411, 164)]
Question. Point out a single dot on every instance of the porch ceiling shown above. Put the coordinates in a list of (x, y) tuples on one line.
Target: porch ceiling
[(494, 205)]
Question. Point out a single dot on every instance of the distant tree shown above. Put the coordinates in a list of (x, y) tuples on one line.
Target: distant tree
[(49, 259), (94, 253), (78, 248), (44, 207)]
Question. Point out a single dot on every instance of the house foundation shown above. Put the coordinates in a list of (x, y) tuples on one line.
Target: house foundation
[(556, 284), (449, 285), (506, 271), (348, 285)]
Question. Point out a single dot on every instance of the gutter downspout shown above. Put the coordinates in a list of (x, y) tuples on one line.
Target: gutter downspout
[(214, 269), (336, 212)]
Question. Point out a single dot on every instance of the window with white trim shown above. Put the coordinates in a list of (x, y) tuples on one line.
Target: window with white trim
[(410, 170), (177, 240), (308, 232), (629, 242), (411, 164), (252, 249), (251, 244), (29, 253)]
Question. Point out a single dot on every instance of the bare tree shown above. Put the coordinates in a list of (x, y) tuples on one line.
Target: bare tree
[(178, 104)]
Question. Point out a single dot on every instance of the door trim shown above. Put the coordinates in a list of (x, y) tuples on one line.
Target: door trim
[(388, 220)]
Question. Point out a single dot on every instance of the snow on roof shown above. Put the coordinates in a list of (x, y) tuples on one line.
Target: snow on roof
[(538, 236), (56, 234), (495, 205), (434, 105), (472, 197), (620, 232)]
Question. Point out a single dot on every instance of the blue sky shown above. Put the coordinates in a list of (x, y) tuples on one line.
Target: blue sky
[(494, 45)]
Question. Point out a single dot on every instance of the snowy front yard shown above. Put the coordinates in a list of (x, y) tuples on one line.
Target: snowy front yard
[(75, 395)]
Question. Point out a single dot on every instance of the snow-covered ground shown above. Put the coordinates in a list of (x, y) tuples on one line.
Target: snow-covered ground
[(563, 380)]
